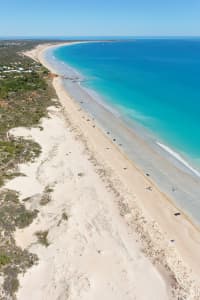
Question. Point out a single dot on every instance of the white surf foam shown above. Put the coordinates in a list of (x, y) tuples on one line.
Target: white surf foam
[(179, 158)]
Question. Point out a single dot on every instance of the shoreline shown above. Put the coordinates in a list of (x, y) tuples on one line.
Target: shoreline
[(180, 157), (45, 62), (167, 169), (141, 203)]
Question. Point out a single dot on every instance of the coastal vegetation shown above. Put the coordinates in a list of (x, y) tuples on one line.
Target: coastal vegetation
[(42, 238), (25, 94), (46, 198)]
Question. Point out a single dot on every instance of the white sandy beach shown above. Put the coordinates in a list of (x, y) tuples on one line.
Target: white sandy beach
[(121, 239)]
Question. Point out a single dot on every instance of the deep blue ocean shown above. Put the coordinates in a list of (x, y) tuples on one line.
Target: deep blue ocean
[(155, 82)]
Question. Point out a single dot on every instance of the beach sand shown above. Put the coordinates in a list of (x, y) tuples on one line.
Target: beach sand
[(112, 232)]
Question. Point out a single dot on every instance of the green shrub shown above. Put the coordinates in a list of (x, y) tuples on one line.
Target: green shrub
[(4, 260)]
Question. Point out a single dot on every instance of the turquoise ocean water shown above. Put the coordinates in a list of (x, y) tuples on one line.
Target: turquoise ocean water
[(155, 82)]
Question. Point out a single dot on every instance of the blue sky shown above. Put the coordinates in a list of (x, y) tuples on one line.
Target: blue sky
[(99, 17)]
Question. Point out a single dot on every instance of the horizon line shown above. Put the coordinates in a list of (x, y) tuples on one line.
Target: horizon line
[(70, 36)]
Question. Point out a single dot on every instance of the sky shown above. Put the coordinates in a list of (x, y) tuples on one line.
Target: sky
[(99, 18)]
